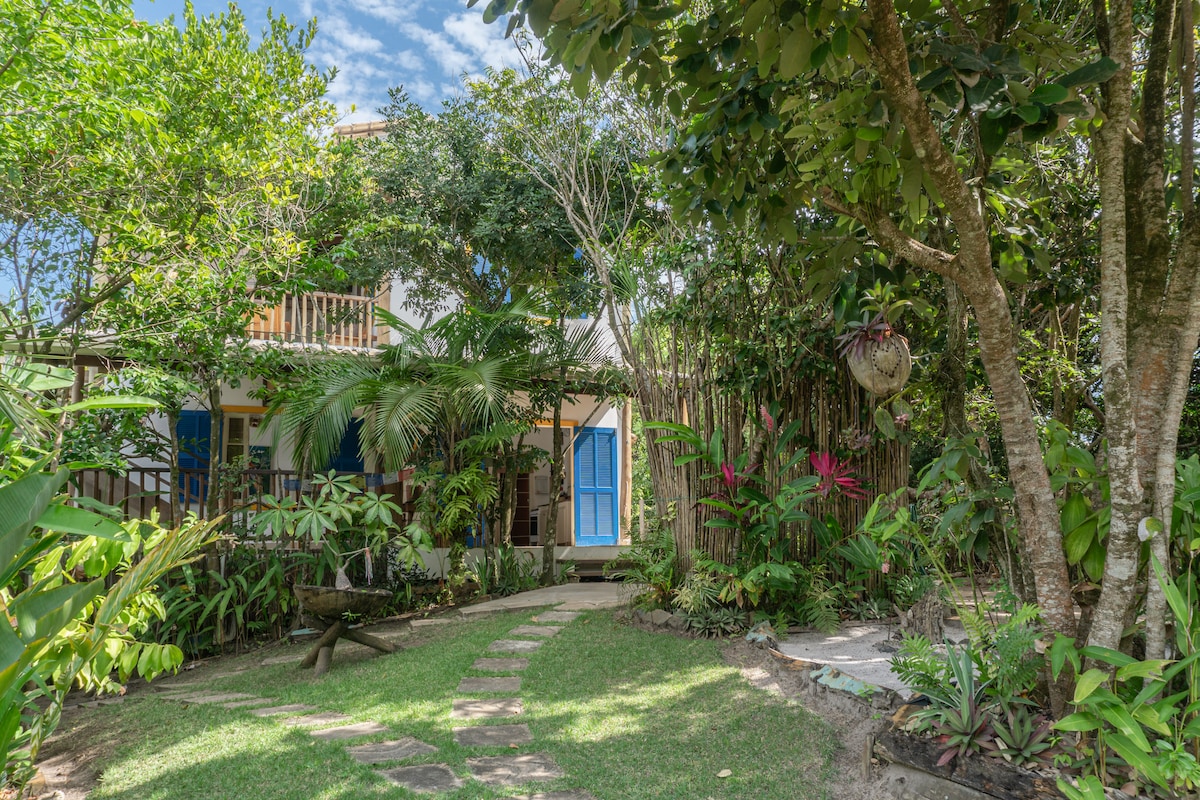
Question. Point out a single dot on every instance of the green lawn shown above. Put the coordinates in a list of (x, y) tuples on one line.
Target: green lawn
[(627, 714)]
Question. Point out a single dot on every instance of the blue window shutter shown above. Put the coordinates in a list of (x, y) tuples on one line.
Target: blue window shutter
[(193, 429), (596, 487)]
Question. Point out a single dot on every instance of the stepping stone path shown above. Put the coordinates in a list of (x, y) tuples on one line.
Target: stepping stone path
[(496, 770), (291, 708), (314, 720), (349, 731), (254, 701)]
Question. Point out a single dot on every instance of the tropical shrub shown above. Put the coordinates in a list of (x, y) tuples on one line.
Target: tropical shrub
[(1138, 721), (63, 627)]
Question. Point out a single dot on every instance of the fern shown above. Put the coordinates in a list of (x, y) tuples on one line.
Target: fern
[(920, 667)]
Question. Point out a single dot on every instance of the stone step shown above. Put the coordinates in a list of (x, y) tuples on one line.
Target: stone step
[(473, 685), (313, 720), (511, 770), (547, 617), (291, 708), (513, 646), (500, 664), (424, 778), (354, 731), (487, 709), (536, 630), (493, 735), (395, 750)]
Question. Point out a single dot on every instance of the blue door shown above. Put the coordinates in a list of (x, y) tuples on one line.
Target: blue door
[(193, 429), (596, 487)]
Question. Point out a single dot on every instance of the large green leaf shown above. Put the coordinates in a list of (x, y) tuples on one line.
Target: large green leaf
[(96, 403), (22, 502), (68, 519), (42, 613)]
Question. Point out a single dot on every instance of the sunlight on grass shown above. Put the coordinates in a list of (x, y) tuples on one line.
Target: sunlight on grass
[(625, 713)]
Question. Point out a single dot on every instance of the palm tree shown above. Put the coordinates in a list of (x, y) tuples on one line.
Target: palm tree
[(422, 396)]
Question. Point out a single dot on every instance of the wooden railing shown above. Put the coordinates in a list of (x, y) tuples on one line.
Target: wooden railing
[(140, 490), (341, 320)]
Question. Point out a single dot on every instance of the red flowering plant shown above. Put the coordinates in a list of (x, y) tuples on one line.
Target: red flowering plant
[(762, 513)]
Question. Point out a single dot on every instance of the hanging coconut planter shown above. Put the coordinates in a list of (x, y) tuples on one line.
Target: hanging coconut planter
[(878, 357)]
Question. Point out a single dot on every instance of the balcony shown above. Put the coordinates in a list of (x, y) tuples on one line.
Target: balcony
[(319, 318)]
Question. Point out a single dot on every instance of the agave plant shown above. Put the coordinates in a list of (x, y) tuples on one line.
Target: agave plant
[(1023, 736), (958, 716)]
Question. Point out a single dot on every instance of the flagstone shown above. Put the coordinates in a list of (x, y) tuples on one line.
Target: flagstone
[(513, 646), (509, 770), (493, 735), (349, 731), (272, 711), (396, 750), (500, 664), (424, 778), (472, 685), (536, 630), (487, 709)]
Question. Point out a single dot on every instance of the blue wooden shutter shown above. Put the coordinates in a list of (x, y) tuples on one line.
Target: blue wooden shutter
[(193, 429), (596, 487)]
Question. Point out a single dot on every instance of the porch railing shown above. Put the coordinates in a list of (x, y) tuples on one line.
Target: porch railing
[(138, 491), (341, 320)]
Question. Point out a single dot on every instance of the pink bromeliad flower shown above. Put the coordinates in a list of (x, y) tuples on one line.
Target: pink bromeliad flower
[(835, 473)]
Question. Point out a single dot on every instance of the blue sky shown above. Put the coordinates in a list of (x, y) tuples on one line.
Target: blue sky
[(424, 45)]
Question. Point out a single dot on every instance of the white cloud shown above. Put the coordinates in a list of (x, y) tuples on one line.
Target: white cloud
[(392, 11), (347, 36), (487, 42)]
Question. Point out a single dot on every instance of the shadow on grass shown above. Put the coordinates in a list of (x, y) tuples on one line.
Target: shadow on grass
[(625, 713)]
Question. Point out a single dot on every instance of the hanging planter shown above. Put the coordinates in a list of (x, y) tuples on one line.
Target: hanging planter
[(878, 357)]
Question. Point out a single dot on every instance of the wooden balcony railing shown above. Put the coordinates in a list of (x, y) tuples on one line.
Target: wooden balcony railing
[(341, 320)]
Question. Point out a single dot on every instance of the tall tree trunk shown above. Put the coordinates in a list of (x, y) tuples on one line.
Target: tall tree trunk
[(175, 492), (1127, 496), (972, 269), (557, 471), (216, 423)]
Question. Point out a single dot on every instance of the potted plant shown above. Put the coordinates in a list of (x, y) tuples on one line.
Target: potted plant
[(878, 356)]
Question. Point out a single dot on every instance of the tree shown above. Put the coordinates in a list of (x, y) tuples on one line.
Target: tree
[(459, 218), (884, 116)]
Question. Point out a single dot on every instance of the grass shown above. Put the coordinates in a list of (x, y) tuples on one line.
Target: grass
[(625, 713)]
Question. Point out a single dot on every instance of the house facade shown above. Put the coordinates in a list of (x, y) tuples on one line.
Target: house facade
[(594, 499)]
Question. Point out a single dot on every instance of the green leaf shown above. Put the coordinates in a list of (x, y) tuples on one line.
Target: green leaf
[(885, 423), (68, 519), (21, 503), (841, 42), (1049, 94), (869, 134), (1096, 72), (993, 132), (1074, 511), (1087, 683), (1137, 756), (96, 403), (795, 53), (1078, 541), (1079, 721)]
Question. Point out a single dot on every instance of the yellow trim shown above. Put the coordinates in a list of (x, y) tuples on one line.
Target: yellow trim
[(244, 409), (549, 423)]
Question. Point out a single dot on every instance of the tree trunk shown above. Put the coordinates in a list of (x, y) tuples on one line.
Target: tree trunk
[(1127, 506), (556, 478), (216, 423), (175, 493)]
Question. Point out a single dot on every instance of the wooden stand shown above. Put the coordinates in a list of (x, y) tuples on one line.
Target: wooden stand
[(321, 654), (328, 607)]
